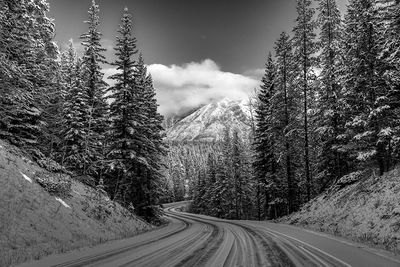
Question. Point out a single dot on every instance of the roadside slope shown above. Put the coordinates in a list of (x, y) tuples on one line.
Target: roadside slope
[(363, 207), (35, 223)]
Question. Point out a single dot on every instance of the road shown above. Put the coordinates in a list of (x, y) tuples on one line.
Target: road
[(197, 240)]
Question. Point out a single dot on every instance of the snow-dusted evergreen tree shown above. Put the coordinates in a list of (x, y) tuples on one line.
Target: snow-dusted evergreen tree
[(27, 53), (240, 177), (199, 202), (388, 23), (223, 189), (155, 118), (68, 63), (92, 76), (284, 104), (304, 49), (365, 90), (207, 187), (150, 146), (135, 139), (124, 113), (330, 121), (73, 148), (264, 140)]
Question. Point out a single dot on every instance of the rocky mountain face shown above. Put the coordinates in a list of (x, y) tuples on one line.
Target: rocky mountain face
[(209, 122)]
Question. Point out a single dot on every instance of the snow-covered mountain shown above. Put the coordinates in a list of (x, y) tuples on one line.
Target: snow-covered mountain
[(208, 122)]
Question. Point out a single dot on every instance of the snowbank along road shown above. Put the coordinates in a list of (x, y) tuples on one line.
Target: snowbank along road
[(197, 240)]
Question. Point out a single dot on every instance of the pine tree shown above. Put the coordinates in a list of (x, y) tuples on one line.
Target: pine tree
[(388, 23), (304, 50), (220, 192), (146, 170), (330, 123), (155, 118), (151, 147), (28, 54), (365, 89), (68, 63), (47, 96), (264, 162), (210, 182), (239, 164), (95, 85), (73, 148), (286, 122), (123, 112), (135, 135), (199, 204)]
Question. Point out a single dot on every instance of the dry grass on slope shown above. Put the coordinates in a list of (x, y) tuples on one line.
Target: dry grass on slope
[(366, 210), (35, 223)]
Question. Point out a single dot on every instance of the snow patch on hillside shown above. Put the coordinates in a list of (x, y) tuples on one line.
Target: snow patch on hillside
[(26, 177), (63, 202)]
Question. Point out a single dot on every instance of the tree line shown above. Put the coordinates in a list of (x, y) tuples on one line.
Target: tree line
[(223, 188), (58, 106), (183, 162), (328, 107)]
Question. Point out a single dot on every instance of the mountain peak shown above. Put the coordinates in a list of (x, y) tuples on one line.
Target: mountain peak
[(208, 122)]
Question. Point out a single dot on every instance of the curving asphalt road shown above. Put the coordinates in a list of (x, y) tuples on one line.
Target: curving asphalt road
[(197, 240)]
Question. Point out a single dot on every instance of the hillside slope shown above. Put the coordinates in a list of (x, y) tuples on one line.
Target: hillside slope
[(208, 122), (362, 206), (34, 223)]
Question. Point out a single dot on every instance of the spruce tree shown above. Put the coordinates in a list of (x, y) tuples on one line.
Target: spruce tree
[(238, 174), (210, 182), (135, 138), (330, 123), (28, 54), (264, 162), (388, 23), (304, 50), (92, 76), (286, 122), (123, 113), (152, 147), (73, 149), (365, 88)]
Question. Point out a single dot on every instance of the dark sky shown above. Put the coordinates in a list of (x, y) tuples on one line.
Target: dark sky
[(235, 34), (196, 50)]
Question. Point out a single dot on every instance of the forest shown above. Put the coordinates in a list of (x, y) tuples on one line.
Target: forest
[(327, 111), (57, 106)]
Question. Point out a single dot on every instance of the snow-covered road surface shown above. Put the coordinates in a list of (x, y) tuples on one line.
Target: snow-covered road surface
[(197, 240)]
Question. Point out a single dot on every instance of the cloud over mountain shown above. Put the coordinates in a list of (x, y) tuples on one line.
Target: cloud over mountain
[(182, 88)]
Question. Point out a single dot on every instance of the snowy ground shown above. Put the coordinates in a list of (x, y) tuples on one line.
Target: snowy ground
[(34, 223), (367, 211)]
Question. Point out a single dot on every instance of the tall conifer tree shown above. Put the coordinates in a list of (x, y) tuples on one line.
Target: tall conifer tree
[(264, 140), (304, 49), (330, 122), (92, 76), (150, 146), (365, 88), (27, 53), (388, 23), (288, 111), (73, 147), (124, 111)]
